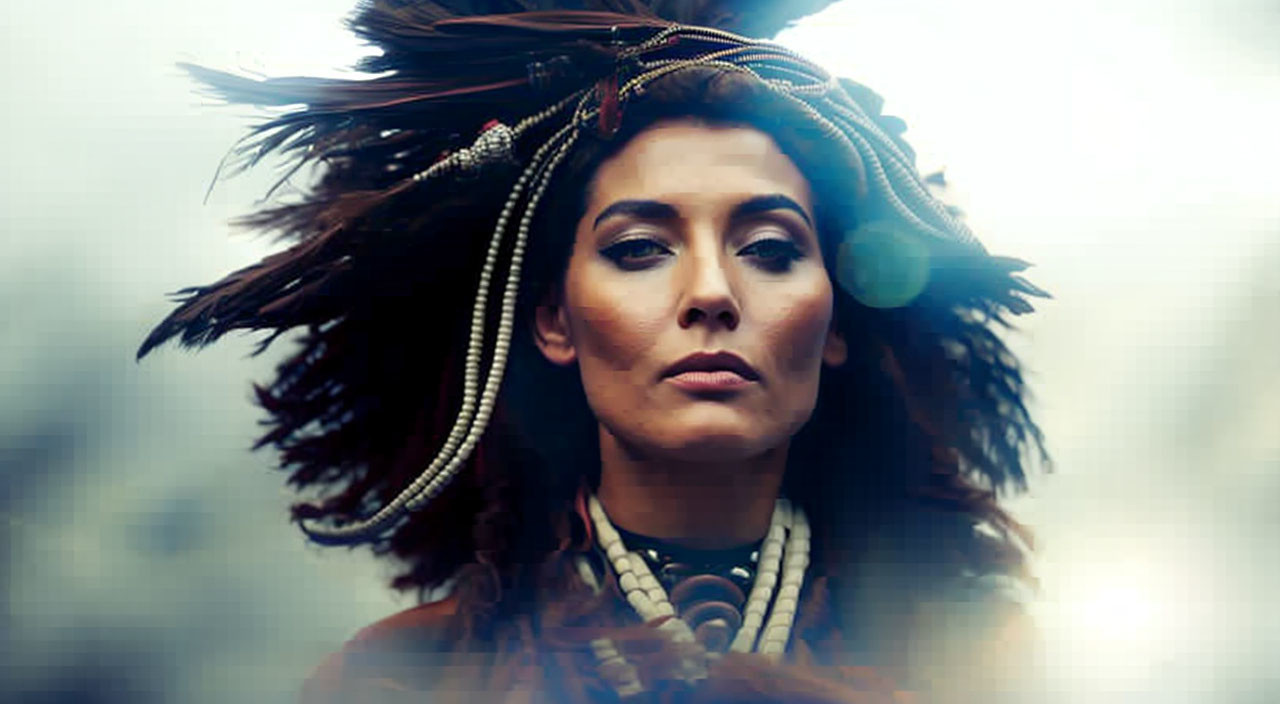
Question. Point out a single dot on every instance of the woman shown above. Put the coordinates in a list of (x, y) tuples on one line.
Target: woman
[(753, 414)]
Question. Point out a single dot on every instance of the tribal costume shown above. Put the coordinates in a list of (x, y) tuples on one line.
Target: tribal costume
[(458, 147)]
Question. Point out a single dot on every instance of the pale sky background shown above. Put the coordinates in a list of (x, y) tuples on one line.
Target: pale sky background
[(1128, 148)]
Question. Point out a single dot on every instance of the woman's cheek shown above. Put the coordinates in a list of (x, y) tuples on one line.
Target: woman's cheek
[(799, 330), (618, 326)]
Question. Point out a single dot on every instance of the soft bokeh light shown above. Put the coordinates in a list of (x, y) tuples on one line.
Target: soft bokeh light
[(1126, 148)]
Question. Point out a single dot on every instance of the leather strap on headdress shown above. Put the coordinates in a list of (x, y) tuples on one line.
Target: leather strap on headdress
[(610, 106)]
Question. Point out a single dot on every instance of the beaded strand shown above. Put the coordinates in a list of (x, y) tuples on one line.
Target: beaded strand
[(787, 538), (614, 668), (778, 629), (766, 576), (457, 446)]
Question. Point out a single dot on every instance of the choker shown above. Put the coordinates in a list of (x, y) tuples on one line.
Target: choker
[(671, 563), (707, 611)]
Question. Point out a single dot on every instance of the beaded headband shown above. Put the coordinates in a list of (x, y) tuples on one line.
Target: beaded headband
[(889, 172)]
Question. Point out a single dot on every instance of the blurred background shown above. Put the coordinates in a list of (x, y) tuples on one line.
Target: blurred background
[(1128, 148)]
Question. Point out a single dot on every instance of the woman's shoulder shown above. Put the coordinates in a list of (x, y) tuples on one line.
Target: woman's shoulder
[(387, 661), (422, 621)]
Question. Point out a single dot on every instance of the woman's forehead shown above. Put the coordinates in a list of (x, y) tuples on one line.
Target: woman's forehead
[(684, 162)]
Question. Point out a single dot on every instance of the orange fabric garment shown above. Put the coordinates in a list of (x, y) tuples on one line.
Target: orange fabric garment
[(402, 669), (412, 656), (408, 657), (350, 675)]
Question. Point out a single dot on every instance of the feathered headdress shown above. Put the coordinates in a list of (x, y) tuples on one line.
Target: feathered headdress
[(493, 96)]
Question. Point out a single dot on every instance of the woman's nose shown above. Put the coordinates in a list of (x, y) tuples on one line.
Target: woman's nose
[(709, 295)]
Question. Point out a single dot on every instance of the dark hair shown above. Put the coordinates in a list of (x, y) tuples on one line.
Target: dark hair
[(897, 468)]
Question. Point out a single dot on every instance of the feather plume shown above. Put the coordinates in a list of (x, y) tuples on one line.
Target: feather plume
[(752, 18), (363, 270)]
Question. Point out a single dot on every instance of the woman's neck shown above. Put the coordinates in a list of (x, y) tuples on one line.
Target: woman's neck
[(708, 505)]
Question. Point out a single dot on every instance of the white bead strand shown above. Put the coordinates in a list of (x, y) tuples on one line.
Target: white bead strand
[(446, 463), (766, 575), (450, 451), (785, 547), (615, 669), (506, 324), (781, 618)]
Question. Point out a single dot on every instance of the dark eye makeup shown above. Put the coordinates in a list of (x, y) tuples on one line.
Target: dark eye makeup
[(772, 254), (634, 253), (775, 254)]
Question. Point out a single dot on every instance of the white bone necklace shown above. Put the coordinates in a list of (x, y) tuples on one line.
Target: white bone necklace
[(784, 556)]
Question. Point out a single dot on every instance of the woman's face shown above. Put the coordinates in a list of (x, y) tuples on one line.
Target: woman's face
[(696, 239)]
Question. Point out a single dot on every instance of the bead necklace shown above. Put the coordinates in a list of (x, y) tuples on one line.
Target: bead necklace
[(784, 556), (673, 564)]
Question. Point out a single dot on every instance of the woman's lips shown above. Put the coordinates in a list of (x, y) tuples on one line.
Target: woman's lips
[(718, 380)]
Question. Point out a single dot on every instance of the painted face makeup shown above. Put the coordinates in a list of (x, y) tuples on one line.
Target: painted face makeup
[(696, 302)]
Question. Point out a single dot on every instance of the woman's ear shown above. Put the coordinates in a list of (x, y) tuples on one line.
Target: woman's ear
[(551, 331), (835, 351)]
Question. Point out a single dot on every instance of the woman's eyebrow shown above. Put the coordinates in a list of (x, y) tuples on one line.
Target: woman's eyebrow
[(763, 204), (657, 210), (642, 209)]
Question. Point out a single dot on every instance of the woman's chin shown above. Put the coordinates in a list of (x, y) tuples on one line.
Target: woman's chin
[(699, 434), (715, 442), (714, 450)]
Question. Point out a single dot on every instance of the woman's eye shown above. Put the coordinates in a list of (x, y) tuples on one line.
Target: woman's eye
[(633, 253), (775, 254)]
